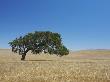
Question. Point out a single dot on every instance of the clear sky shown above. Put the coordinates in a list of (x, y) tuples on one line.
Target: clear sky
[(83, 24)]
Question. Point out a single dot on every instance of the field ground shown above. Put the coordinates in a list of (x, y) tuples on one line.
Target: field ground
[(81, 66)]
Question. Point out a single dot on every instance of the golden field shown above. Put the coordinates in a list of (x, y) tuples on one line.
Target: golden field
[(81, 66)]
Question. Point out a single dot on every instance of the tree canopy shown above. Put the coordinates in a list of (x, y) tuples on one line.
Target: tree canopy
[(37, 42)]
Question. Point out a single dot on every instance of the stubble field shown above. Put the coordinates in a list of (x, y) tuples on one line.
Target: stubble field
[(81, 66)]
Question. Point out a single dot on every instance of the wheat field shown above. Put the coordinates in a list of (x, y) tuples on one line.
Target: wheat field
[(76, 67)]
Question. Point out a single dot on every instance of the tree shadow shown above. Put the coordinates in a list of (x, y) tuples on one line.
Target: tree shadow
[(39, 60)]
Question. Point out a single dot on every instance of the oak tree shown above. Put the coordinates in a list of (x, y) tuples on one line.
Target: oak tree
[(38, 42)]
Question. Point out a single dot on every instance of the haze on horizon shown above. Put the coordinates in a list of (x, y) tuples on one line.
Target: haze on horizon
[(83, 24)]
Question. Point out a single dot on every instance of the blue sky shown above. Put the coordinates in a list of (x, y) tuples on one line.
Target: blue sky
[(83, 24)]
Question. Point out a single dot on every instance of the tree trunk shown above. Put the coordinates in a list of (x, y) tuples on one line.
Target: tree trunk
[(23, 56)]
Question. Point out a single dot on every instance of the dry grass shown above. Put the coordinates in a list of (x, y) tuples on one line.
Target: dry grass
[(45, 68)]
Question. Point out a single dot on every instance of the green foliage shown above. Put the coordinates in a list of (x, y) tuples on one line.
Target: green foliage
[(39, 41), (63, 50)]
